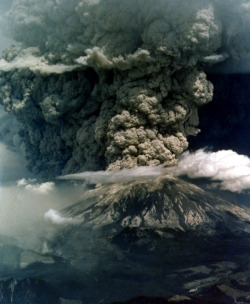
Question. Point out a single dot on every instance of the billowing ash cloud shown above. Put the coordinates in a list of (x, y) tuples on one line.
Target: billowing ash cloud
[(226, 166), (107, 84)]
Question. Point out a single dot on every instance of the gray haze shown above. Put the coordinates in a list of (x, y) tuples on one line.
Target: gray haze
[(107, 84), (4, 41)]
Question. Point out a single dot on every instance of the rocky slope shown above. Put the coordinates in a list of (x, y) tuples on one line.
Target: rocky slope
[(159, 203)]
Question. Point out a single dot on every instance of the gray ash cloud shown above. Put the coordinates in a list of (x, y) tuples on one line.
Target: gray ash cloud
[(114, 84)]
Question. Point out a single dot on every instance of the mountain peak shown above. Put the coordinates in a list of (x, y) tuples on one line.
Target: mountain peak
[(161, 202)]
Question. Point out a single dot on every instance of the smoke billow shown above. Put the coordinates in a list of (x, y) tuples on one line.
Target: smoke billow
[(107, 84)]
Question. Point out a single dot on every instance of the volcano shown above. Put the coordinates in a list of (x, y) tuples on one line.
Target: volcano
[(160, 203), (153, 240), (160, 236)]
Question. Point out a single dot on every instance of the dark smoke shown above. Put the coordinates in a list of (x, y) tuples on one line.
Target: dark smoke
[(108, 84)]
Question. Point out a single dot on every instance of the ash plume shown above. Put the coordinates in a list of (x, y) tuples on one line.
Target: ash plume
[(108, 84)]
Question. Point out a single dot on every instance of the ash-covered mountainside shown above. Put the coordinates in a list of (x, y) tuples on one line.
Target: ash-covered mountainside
[(164, 202), (160, 238), (113, 84)]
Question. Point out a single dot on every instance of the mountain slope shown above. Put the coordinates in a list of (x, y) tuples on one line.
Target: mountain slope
[(163, 202)]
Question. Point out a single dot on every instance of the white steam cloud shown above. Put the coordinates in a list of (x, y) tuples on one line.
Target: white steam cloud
[(30, 185), (56, 218), (229, 168), (117, 176), (113, 84)]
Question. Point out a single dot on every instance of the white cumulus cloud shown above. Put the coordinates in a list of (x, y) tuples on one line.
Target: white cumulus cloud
[(56, 218), (226, 166), (30, 185)]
